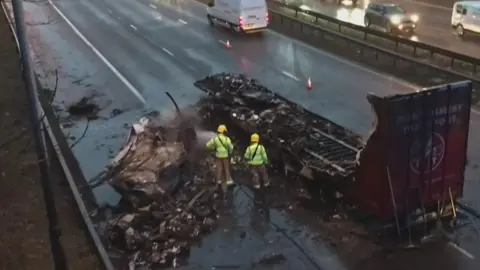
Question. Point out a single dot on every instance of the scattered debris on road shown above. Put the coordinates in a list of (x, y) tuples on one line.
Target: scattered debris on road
[(171, 203), (85, 107)]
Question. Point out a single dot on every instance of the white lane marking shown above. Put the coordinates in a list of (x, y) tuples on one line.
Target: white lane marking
[(109, 10), (461, 250), (153, 6), (158, 17), (133, 26), (168, 52), (182, 21), (344, 61), (297, 42), (290, 75), (223, 42), (100, 55)]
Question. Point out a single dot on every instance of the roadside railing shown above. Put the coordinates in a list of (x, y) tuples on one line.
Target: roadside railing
[(455, 61)]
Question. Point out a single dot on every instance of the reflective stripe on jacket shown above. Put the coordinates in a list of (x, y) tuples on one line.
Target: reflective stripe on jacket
[(222, 145), (260, 156)]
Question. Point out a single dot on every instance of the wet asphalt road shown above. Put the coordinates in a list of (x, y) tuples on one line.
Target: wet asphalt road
[(160, 46), (434, 26)]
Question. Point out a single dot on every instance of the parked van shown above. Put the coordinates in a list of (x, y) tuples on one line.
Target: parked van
[(246, 16), (466, 17)]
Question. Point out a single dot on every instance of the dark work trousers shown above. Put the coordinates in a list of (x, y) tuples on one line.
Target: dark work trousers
[(222, 168)]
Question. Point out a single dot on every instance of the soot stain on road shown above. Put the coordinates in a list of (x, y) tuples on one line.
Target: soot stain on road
[(84, 108)]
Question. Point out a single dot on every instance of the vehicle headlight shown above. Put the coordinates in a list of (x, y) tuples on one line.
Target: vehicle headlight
[(395, 19), (414, 18)]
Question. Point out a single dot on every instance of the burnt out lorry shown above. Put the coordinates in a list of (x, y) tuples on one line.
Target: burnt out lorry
[(407, 173)]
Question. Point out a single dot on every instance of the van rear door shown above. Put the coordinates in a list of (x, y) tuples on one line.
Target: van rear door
[(254, 14)]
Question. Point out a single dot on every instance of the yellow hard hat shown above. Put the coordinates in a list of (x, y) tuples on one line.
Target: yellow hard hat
[(254, 137), (222, 129)]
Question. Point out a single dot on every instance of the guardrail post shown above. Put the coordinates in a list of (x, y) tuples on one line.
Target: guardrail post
[(296, 13), (452, 61), (365, 35), (474, 69), (415, 51)]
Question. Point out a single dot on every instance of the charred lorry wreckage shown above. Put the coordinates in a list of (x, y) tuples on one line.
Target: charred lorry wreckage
[(410, 170)]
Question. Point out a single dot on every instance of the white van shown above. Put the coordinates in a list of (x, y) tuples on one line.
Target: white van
[(466, 17), (248, 16)]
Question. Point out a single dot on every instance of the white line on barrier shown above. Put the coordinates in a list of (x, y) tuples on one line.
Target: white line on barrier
[(153, 6), (461, 250), (290, 75), (99, 54), (182, 21), (168, 52), (66, 170), (133, 27)]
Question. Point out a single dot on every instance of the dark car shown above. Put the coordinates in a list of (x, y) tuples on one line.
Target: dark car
[(391, 17)]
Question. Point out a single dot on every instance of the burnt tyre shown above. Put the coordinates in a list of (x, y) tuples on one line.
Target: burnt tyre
[(459, 30), (366, 21), (389, 29), (235, 28), (210, 20)]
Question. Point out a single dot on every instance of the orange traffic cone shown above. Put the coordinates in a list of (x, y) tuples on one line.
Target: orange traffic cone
[(309, 84), (227, 44)]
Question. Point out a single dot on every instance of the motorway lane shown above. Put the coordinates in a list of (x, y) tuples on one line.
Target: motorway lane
[(434, 26), (276, 61), (195, 48), (138, 52)]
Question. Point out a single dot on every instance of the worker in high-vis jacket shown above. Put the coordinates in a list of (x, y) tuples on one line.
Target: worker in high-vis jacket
[(256, 157), (223, 147)]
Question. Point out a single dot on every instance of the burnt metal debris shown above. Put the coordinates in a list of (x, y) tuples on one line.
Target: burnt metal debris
[(301, 141), (166, 208)]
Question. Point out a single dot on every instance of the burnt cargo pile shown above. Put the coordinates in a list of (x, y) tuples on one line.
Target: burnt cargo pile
[(168, 203), (300, 141)]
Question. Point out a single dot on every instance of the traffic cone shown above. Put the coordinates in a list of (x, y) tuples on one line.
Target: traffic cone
[(227, 44), (309, 84)]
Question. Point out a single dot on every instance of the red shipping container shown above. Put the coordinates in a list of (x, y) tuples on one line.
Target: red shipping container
[(416, 153)]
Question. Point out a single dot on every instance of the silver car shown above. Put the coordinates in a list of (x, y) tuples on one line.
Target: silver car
[(393, 18)]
